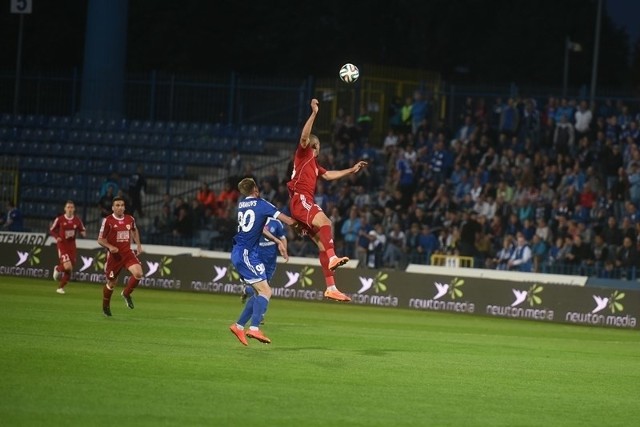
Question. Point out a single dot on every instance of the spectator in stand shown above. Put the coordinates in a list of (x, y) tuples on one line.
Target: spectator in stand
[(227, 198), (522, 257), (364, 124), (539, 252), (627, 259), (564, 109), (411, 243), (377, 242), (419, 111), (501, 260), (564, 137), (578, 257), (111, 181), (106, 201), (348, 132), (599, 255), (428, 244), (183, 226), (13, 219), (583, 119), (362, 241), (509, 119), (632, 133), (164, 221), (267, 192), (235, 167), (137, 189), (612, 162), (207, 197), (469, 233), (464, 133), (393, 255), (391, 140), (634, 184), (612, 129), (350, 231)]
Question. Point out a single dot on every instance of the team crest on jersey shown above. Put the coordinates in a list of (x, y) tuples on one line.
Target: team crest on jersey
[(128, 227)]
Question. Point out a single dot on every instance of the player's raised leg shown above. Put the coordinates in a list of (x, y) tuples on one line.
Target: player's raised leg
[(260, 304)]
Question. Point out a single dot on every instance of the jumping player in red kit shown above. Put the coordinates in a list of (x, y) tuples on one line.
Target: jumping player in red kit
[(302, 185), (64, 229), (116, 232)]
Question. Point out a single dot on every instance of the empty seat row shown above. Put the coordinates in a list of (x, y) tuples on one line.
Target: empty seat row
[(48, 125)]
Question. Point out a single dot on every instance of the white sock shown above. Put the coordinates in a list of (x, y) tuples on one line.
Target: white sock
[(254, 328), (332, 288), (240, 327)]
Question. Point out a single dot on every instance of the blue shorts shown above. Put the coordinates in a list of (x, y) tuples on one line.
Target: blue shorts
[(249, 265)]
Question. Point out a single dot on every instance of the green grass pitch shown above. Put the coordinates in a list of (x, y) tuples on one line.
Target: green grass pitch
[(173, 361)]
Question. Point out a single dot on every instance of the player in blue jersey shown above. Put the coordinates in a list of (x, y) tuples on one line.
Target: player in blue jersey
[(253, 212), (268, 251)]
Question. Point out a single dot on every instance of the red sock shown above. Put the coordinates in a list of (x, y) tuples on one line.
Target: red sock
[(326, 238), (328, 274), (131, 285), (106, 296), (65, 279)]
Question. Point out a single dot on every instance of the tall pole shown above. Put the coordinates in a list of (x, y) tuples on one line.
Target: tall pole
[(565, 78), (596, 51), (16, 90)]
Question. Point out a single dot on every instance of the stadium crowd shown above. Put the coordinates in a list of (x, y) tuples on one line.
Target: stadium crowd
[(514, 185)]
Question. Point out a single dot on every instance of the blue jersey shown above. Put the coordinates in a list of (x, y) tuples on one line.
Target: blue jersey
[(268, 249), (252, 217)]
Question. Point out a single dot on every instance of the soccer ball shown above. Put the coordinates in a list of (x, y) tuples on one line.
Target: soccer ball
[(349, 73)]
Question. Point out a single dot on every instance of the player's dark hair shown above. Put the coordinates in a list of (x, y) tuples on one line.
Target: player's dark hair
[(69, 201), (118, 199)]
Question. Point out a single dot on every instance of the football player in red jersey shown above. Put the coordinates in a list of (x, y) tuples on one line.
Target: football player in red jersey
[(312, 218), (65, 229), (116, 232)]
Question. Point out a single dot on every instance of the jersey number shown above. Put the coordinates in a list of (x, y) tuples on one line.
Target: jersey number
[(246, 220)]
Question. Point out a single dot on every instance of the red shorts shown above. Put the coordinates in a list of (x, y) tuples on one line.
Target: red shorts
[(304, 209), (115, 263), (67, 254)]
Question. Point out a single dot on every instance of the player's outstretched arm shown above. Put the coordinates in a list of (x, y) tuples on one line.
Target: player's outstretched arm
[(333, 175), (308, 126)]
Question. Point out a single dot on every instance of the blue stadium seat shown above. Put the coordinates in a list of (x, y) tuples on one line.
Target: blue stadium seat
[(135, 126), (143, 139), (76, 123), (182, 127), (159, 127), (8, 147), (252, 146), (178, 170), (89, 123), (34, 121), (6, 120), (194, 128), (7, 133)]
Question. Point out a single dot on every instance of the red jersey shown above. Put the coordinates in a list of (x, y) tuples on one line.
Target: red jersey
[(305, 172), (117, 232), (66, 229)]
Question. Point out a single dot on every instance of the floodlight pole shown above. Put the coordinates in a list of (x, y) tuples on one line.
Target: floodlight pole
[(596, 51), (565, 78), (16, 90)]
